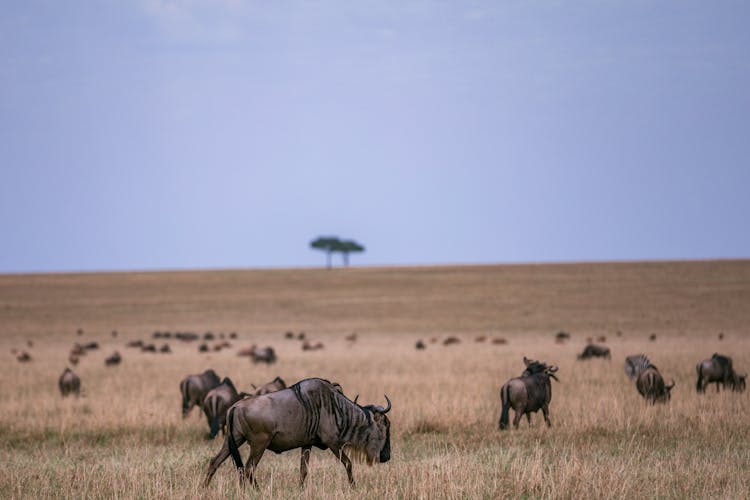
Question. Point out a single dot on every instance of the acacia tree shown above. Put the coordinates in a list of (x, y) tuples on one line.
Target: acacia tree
[(328, 244), (346, 247)]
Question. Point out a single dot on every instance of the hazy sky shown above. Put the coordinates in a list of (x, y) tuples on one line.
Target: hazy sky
[(177, 134)]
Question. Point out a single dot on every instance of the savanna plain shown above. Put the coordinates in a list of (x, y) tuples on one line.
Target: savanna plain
[(125, 437)]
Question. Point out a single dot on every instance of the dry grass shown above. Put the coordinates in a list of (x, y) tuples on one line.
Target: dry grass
[(125, 438)]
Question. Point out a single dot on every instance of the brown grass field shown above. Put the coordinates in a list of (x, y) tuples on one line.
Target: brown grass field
[(125, 438)]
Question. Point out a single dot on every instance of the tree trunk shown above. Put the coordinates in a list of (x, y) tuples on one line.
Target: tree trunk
[(328, 260), (346, 258)]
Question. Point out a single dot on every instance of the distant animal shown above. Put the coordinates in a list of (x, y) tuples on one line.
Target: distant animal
[(30, 343), (719, 369), (165, 349), (134, 343), (289, 335), (307, 346), (114, 359), (263, 355), (73, 359), (208, 336), (90, 346), (594, 351), (233, 335), (216, 404), (652, 337), (619, 333), (499, 341), (275, 385), (351, 338), (203, 348), (309, 413), (114, 333), (561, 337), (69, 383), (420, 345), (23, 357), (530, 392), (451, 341), (301, 336), (79, 331), (156, 335), (721, 336), (77, 350), (194, 388), (148, 348), (651, 386), (480, 338), (166, 335), (433, 340), (601, 338), (635, 364)]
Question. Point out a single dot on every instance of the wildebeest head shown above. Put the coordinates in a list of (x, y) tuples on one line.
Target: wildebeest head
[(533, 367), (738, 381), (379, 434)]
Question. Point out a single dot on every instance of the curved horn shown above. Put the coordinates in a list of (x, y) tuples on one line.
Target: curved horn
[(389, 404), (526, 361), (356, 398), (672, 385), (552, 369)]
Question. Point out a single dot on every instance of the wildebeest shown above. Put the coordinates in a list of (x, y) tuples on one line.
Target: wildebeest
[(289, 335), (73, 359), (233, 335), (652, 337), (420, 345), (134, 343), (309, 413), (719, 369), (635, 364), (208, 336), (203, 348), (23, 357), (308, 346), (352, 337), (451, 341), (530, 392), (216, 404), (275, 385), (263, 355), (594, 351), (69, 383), (90, 346), (148, 348), (561, 337), (77, 350), (114, 359), (601, 338), (499, 341), (194, 389), (165, 349), (651, 386), (480, 338)]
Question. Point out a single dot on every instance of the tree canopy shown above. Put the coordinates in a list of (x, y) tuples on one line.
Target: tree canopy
[(331, 244)]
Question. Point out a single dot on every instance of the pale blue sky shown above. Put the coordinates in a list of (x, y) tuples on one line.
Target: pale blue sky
[(198, 134)]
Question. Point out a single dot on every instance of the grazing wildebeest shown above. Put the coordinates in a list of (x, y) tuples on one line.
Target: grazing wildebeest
[(114, 359), (651, 386), (165, 349), (208, 336), (561, 337), (90, 346), (594, 351), (275, 385), (24, 357), (652, 337), (601, 338), (481, 338), (233, 335), (263, 355), (635, 364), (194, 389), (77, 350), (148, 348), (216, 404), (69, 383), (134, 343), (530, 392), (307, 346), (499, 341), (420, 344), (451, 341), (203, 348), (289, 335), (719, 369), (352, 337), (310, 413)]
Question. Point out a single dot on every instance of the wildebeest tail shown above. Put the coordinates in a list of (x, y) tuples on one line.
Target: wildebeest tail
[(230, 440), (699, 384), (214, 409), (183, 390), (505, 397)]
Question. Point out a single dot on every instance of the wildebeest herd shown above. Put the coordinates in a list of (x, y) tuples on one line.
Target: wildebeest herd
[(316, 413)]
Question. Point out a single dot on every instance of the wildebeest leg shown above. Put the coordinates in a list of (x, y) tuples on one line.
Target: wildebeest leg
[(347, 463), (517, 417), (303, 464), (218, 460), (257, 448), (545, 410), (528, 418), (717, 387)]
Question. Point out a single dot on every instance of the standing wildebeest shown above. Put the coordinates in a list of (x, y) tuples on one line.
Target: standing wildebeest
[(275, 385), (310, 413), (69, 383), (594, 351), (530, 392), (114, 359), (194, 389), (635, 364), (650, 385), (216, 404), (719, 369), (263, 355)]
